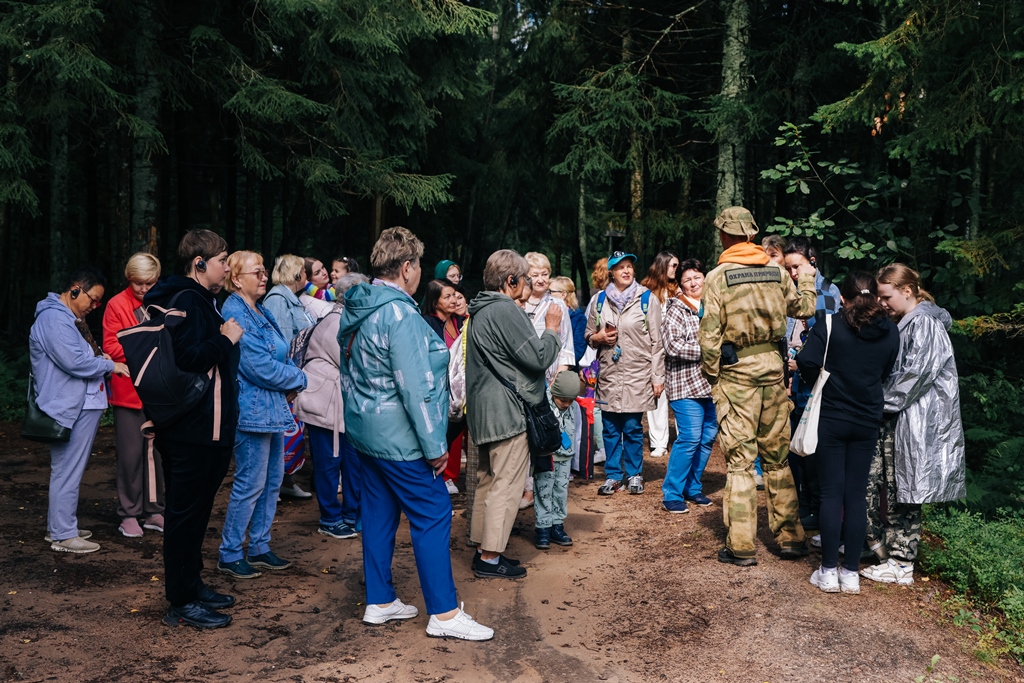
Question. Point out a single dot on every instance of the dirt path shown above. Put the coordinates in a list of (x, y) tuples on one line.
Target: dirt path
[(640, 597)]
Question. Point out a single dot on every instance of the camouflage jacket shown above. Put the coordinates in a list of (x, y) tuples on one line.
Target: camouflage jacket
[(747, 305)]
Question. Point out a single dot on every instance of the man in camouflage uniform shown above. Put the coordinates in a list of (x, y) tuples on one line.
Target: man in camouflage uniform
[(746, 301), (892, 525)]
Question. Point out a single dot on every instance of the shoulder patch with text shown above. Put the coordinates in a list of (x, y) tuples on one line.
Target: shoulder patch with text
[(742, 276)]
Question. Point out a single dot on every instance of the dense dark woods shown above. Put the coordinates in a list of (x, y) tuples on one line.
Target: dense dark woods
[(888, 130)]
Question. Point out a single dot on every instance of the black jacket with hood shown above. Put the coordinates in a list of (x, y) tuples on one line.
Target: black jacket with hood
[(860, 361), (200, 347)]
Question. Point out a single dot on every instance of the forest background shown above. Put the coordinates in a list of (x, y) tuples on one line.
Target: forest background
[(887, 130)]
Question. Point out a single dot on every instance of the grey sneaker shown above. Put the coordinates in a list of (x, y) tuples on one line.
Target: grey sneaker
[(460, 626), (82, 533), (75, 544), (636, 484)]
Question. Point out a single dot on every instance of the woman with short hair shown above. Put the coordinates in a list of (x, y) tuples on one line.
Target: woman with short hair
[(140, 485), (267, 380), (196, 448), (663, 281), (625, 328), (501, 344), (68, 379), (688, 394), (395, 379)]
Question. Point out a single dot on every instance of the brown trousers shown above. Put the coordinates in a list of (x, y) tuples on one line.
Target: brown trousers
[(140, 477), (501, 474)]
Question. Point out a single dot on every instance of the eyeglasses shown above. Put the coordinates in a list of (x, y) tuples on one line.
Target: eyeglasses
[(94, 302), (260, 273)]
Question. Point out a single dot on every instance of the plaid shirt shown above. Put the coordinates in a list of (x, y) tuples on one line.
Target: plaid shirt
[(683, 378)]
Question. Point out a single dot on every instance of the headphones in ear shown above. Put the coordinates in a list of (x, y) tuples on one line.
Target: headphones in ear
[(298, 276), (75, 291), (814, 262), (513, 280), (201, 265)]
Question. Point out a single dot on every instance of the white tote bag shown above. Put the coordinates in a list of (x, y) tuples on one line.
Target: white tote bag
[(805, 438)]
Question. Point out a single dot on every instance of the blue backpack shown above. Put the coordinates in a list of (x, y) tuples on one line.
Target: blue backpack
[(645, 304)]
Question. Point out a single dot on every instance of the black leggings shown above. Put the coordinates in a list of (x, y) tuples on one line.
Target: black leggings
[(844, 455)]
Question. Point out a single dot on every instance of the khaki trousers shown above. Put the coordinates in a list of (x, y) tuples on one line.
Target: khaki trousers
[(501, 474)]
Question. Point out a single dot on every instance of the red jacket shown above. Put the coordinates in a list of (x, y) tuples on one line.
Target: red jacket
[(120, 314)]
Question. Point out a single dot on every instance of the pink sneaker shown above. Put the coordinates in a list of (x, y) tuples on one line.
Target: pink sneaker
[(155, 522), (130, 528)]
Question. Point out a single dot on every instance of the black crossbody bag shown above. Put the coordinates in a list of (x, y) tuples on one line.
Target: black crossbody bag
[(543, 434)]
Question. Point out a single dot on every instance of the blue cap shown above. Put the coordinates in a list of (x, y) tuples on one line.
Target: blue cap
[(618, 256)]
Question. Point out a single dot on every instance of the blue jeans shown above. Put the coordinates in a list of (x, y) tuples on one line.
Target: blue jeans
[(696, 427), (390, 488), (623, 441), (326, 467), (259, 468)]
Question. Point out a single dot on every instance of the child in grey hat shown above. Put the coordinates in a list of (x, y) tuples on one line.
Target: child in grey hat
[(551, 473)]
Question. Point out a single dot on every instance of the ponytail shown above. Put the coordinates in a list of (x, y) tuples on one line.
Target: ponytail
[(860, 296)]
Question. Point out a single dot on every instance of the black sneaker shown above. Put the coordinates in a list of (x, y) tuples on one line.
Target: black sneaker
[(559, 536), (196, 614), (542, 538), (503, 570), (609, 487), (794, 552), (211, 599), (269, 560), (476, 558), (725, 555), (810, 523), (240, 569)]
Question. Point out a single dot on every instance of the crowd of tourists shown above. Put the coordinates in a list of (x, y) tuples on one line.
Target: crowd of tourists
[(392, 394)]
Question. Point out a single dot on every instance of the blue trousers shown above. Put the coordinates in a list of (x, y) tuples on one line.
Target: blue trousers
[(389, 489), (696, 428), (259, 468), (67, 465), (326, 464), (623, 442)]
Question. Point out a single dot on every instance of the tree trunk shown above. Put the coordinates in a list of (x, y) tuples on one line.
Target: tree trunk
[(59, 187), (732, 151), (581, 225), (250, 211), (974, 227), (378, 216), (267, 219), (230, 193), (144, 147)]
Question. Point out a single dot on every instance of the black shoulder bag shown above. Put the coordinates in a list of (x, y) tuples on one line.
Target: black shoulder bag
[(543, 434)]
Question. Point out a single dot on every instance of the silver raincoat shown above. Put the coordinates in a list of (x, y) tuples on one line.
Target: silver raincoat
[(924, 390)]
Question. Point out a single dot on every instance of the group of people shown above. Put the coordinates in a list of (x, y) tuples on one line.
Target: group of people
[(389, 392)]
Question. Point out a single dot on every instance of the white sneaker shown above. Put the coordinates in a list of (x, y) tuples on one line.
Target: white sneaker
[(599, 456), (460, 626), (890, 571), (815, 541), (396, 610), (82, 533), (849, 582), (452, 488), (659, 453), (825, 579), (76, 544)]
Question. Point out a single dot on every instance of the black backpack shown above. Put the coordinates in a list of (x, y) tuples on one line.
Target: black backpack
[(166, 391)]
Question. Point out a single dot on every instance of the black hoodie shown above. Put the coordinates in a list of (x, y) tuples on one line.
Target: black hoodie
[(860, 361), (198, 347)]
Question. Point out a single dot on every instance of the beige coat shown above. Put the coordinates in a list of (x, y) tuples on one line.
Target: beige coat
[(320, 404), (628, 385)]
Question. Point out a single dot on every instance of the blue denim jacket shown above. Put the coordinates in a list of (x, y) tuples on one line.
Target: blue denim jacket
[(263, 381)]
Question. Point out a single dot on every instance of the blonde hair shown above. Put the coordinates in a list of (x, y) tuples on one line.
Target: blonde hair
[(569, 287), (537, 260), (288, 268), (238, 260), (394, 247), (142, 266), (599, 276), (899, 275)]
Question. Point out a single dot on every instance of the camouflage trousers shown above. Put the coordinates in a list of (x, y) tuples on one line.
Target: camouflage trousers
[(752, 421), (893, 528)]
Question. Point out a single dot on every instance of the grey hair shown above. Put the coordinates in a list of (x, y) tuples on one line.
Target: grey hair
[(394, 247), (501, 265), (349, 281)]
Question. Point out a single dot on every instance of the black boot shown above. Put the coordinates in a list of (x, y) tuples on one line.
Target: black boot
[(559, 536), (542, 540)]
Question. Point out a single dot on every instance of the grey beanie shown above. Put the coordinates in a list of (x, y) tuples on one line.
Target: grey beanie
[(566, 385)]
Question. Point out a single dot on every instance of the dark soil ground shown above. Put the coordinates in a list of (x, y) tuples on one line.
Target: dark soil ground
[(640, 597)]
